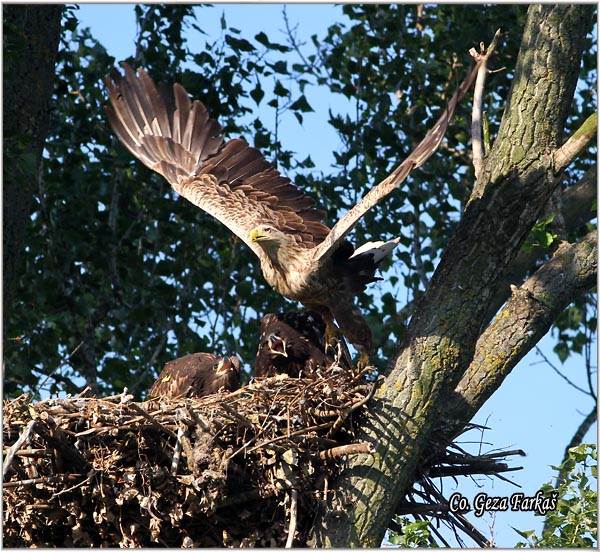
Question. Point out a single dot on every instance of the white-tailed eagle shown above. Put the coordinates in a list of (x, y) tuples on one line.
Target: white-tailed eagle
[(292, 343), (300, 257), (197, 375)]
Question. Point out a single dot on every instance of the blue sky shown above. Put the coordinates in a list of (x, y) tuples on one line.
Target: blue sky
[(534, 410)]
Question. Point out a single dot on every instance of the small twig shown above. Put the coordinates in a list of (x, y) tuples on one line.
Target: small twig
[(342, 417), (345, 450), (242, 419), (189, 455), (41, 480), (31, 453), (23, 438), (246, 445), (293, 434), (196, 417), (241, 498), (364, 401), (344, 413), (411, 508), (154, 422), (177, 452), (293, 518), (539, 351), (80, 484), (85, 391), (464, 470)]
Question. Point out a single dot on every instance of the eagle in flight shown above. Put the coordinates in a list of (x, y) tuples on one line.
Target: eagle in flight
[(197, 375), (300, 257)]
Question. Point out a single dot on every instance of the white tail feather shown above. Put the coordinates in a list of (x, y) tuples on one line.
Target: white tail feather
[(379, 249)]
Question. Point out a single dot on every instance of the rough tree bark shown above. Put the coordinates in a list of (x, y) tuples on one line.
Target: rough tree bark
[(445, 333), (31, 36)]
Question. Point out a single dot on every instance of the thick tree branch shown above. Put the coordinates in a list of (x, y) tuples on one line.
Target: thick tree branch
[(524, 320), (27, 88), (516, 182), (564, 156), (578, 208)]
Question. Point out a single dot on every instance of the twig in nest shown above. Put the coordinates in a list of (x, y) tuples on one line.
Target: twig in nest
[(80, 484), (252, 440), (57, 439), (293, 518), (154, 422), (242, 419), (345, 450), (345, 412), (196, 417), (23, 438), (41, 480), (293, 434), (177, 452)]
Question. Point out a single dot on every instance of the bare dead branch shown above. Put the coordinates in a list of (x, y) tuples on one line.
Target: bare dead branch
[(293, 518), (482, 57), (22, 440), (152, 420), (345, 450)]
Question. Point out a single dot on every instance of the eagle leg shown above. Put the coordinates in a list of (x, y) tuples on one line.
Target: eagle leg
[(331, 335), (363, 359), (354, 327)]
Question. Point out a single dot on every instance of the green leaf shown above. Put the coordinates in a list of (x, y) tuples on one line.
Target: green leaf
[(257, 93), (280, 90), (301, 104)]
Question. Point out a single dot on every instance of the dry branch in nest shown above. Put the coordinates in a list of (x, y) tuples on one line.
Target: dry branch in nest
[(238, 469), (427, 501)]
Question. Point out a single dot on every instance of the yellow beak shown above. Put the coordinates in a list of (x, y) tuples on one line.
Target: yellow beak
[(255, 235), (224, 365)]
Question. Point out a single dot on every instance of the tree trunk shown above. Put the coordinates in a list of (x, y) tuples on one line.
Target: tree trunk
[(31, 36), (516, 182)]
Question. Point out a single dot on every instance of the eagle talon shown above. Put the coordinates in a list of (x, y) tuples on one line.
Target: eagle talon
[(331, 336), (363, 359)]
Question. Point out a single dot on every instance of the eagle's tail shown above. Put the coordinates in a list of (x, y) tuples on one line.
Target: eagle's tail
[(365, 259), (376, 250)]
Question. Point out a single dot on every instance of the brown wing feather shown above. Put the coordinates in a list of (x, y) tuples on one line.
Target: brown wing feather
[(184, 375), (233, 182), (194, 376), (424, 150)]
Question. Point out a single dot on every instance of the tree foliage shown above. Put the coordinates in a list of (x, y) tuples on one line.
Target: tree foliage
[(574, 523), (119, 275)]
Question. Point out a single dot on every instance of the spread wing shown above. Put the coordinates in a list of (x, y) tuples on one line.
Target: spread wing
[(233, 182), (417, 157)]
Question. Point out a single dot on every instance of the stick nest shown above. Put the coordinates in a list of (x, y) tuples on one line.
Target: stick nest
[(224, 470)]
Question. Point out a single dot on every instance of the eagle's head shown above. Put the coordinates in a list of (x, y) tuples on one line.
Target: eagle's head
[(267, 236), (228, 364), (279, 246)]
